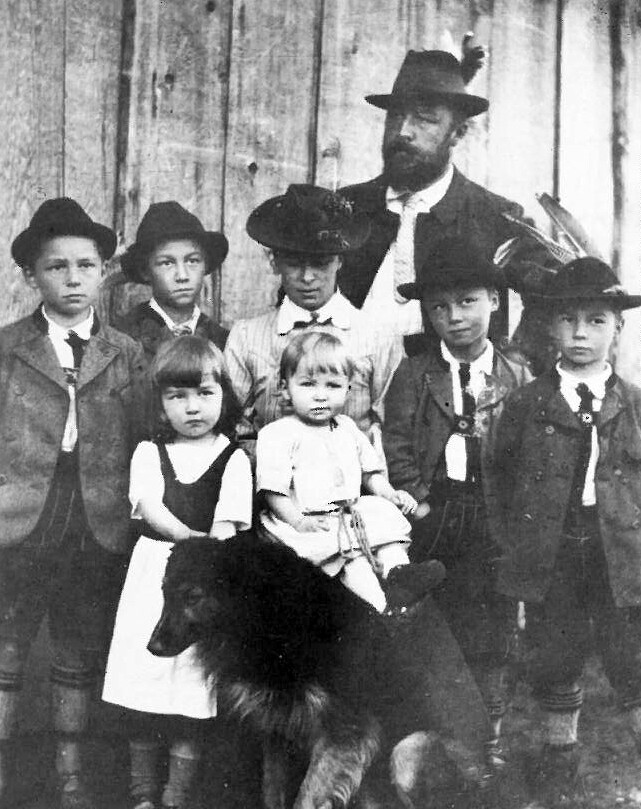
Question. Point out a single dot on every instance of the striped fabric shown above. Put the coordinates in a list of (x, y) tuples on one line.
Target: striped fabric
[(253, 355)]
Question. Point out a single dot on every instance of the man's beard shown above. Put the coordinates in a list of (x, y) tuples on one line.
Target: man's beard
[(406, 169)]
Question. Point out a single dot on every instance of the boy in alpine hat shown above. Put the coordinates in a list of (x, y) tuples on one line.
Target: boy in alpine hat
[(172, 253), (440, 424), (68, 402), (568, 455)]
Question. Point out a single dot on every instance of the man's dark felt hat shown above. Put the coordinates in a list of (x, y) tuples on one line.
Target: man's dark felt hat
[(61, 216), (308, 219), (165, 221), (588, 279), (455, 262), (428, 77)]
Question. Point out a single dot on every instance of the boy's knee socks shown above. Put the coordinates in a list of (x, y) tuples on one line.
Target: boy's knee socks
[(184, 760), (144, 757)]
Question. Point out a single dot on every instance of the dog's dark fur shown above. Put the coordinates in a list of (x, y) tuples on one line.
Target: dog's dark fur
[(308, 663)]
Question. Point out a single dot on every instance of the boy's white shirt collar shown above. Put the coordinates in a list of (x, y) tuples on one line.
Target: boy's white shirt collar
[(58, 332), (337, 308), (424, 199), (597, 384), (192, 322)]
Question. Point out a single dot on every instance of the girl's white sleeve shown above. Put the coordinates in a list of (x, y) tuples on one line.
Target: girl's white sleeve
[(146, 480), (236, 492)]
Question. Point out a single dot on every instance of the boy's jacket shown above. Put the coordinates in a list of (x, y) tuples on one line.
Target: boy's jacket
[(34, 402), (539, 440), (419, 416)]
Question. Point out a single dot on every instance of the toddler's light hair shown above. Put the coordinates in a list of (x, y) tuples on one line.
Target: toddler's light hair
[(317, 352)]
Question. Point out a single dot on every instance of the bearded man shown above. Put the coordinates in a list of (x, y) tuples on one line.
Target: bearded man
[(421, 197)]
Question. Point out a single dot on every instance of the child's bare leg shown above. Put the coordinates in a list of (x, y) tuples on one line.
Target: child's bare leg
[(391, 556), (184, 761), (358, 576)]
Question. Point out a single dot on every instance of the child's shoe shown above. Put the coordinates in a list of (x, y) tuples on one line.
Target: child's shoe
[(407, 584)]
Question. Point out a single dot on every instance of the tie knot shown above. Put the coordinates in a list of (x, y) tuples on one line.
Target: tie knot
[(77, 346), (464, 374), (585, 395), (181, 331)]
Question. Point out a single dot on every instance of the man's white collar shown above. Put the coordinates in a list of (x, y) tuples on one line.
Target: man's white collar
[(192, 322), (424, 198), (82, 329), (484, 362)]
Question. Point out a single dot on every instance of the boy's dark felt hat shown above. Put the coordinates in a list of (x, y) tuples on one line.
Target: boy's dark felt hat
[(455, 262), (61, 216), (588, 279), (308, 219), (164, 221), (427, 77)]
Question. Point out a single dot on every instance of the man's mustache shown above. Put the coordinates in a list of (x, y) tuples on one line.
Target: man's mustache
[(399, 147)]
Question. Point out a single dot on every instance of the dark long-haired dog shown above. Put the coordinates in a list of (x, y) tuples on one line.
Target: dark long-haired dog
[(316, 671)]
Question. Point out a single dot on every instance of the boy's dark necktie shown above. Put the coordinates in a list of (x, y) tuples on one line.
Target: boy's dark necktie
[(77, 346), (586, 418), (466, 425)]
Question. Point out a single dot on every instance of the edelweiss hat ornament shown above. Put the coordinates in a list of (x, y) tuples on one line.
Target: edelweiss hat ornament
[(308, 219), (60, 217), (165, 221)]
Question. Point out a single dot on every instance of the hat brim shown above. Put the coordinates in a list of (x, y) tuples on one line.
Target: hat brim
[(134, 259), (470, 104), (263, 227), (617, 300), (416, 290), (27, 243)]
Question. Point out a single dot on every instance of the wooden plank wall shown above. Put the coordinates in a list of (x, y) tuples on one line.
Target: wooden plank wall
[(222, 103)]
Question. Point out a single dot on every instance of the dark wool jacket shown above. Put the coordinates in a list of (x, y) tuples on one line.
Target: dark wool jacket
[(538, 446), (34, 402), (467, 209), (419, 418), (150, 330)]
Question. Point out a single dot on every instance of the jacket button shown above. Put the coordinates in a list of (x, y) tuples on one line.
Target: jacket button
[(3, 480), (538, 476), (527, 517), (549, 429), (618, 472)]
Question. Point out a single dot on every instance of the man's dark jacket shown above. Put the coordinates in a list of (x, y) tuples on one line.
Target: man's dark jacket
[(467, 209)]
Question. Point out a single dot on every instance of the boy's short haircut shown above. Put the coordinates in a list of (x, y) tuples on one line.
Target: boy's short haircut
[(181, 362), (321, 352)]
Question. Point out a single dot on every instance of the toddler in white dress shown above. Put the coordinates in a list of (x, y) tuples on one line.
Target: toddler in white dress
[(311, 466)]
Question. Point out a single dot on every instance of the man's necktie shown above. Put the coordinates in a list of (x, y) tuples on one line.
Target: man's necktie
[(465, 424), (181, 331), (404, 272), (77, 346)]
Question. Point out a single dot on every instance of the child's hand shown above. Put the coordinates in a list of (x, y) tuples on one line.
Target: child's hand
[(404, 501), (309, 523)]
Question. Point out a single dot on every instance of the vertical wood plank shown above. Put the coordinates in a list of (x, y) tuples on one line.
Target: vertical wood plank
[(585, 164), (629, 244), (522, 93), (364, 44), (177, 112), (272, 111), (92, 65), (31, 127)]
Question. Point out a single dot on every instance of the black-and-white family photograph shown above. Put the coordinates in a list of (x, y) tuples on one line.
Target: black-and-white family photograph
[(320, 404)]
